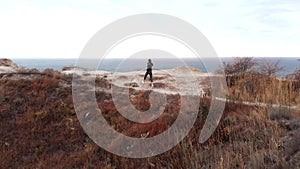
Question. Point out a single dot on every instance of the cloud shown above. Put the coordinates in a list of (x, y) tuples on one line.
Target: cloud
[(28, 31), (48, 29)]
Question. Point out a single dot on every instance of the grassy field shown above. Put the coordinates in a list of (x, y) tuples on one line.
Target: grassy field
[(39, 127)]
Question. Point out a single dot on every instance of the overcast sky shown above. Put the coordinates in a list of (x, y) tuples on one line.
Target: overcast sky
[(61, 28)]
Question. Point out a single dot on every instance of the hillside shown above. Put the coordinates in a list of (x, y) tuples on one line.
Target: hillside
[(39, 127)]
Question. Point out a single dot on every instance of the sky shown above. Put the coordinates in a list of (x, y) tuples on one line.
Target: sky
[(61, 28)]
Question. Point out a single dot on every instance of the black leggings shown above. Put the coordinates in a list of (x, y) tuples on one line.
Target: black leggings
[(149, 71)]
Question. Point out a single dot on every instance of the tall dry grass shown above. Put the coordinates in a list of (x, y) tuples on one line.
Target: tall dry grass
[(270, 90)]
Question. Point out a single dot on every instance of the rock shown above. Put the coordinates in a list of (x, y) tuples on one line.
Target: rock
[(7, 66), (4, 69), (186, 69), (81, 71), (8, 63)]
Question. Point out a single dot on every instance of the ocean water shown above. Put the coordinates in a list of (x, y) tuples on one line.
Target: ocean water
[(121, 65)]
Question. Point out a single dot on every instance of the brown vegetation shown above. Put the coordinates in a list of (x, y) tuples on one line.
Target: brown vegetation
[(256, 81), (39, 129)]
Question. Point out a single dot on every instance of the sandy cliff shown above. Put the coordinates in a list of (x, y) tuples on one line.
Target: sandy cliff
[(7, 65)]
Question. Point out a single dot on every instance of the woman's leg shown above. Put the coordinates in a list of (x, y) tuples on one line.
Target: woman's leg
[(151, 76), (145, 75)]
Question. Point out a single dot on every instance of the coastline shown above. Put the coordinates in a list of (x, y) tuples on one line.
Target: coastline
[(40, 128), (110, 65)]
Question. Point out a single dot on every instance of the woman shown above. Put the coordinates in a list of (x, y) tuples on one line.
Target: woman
[(149, 72)]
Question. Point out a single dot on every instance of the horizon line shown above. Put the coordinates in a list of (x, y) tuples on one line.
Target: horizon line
[(159, 57)]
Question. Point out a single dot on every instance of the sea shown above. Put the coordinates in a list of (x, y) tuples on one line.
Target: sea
[(125, 65)]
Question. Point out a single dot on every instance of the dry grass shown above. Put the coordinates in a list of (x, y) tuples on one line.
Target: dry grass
[(39, 129), (265, 90)]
